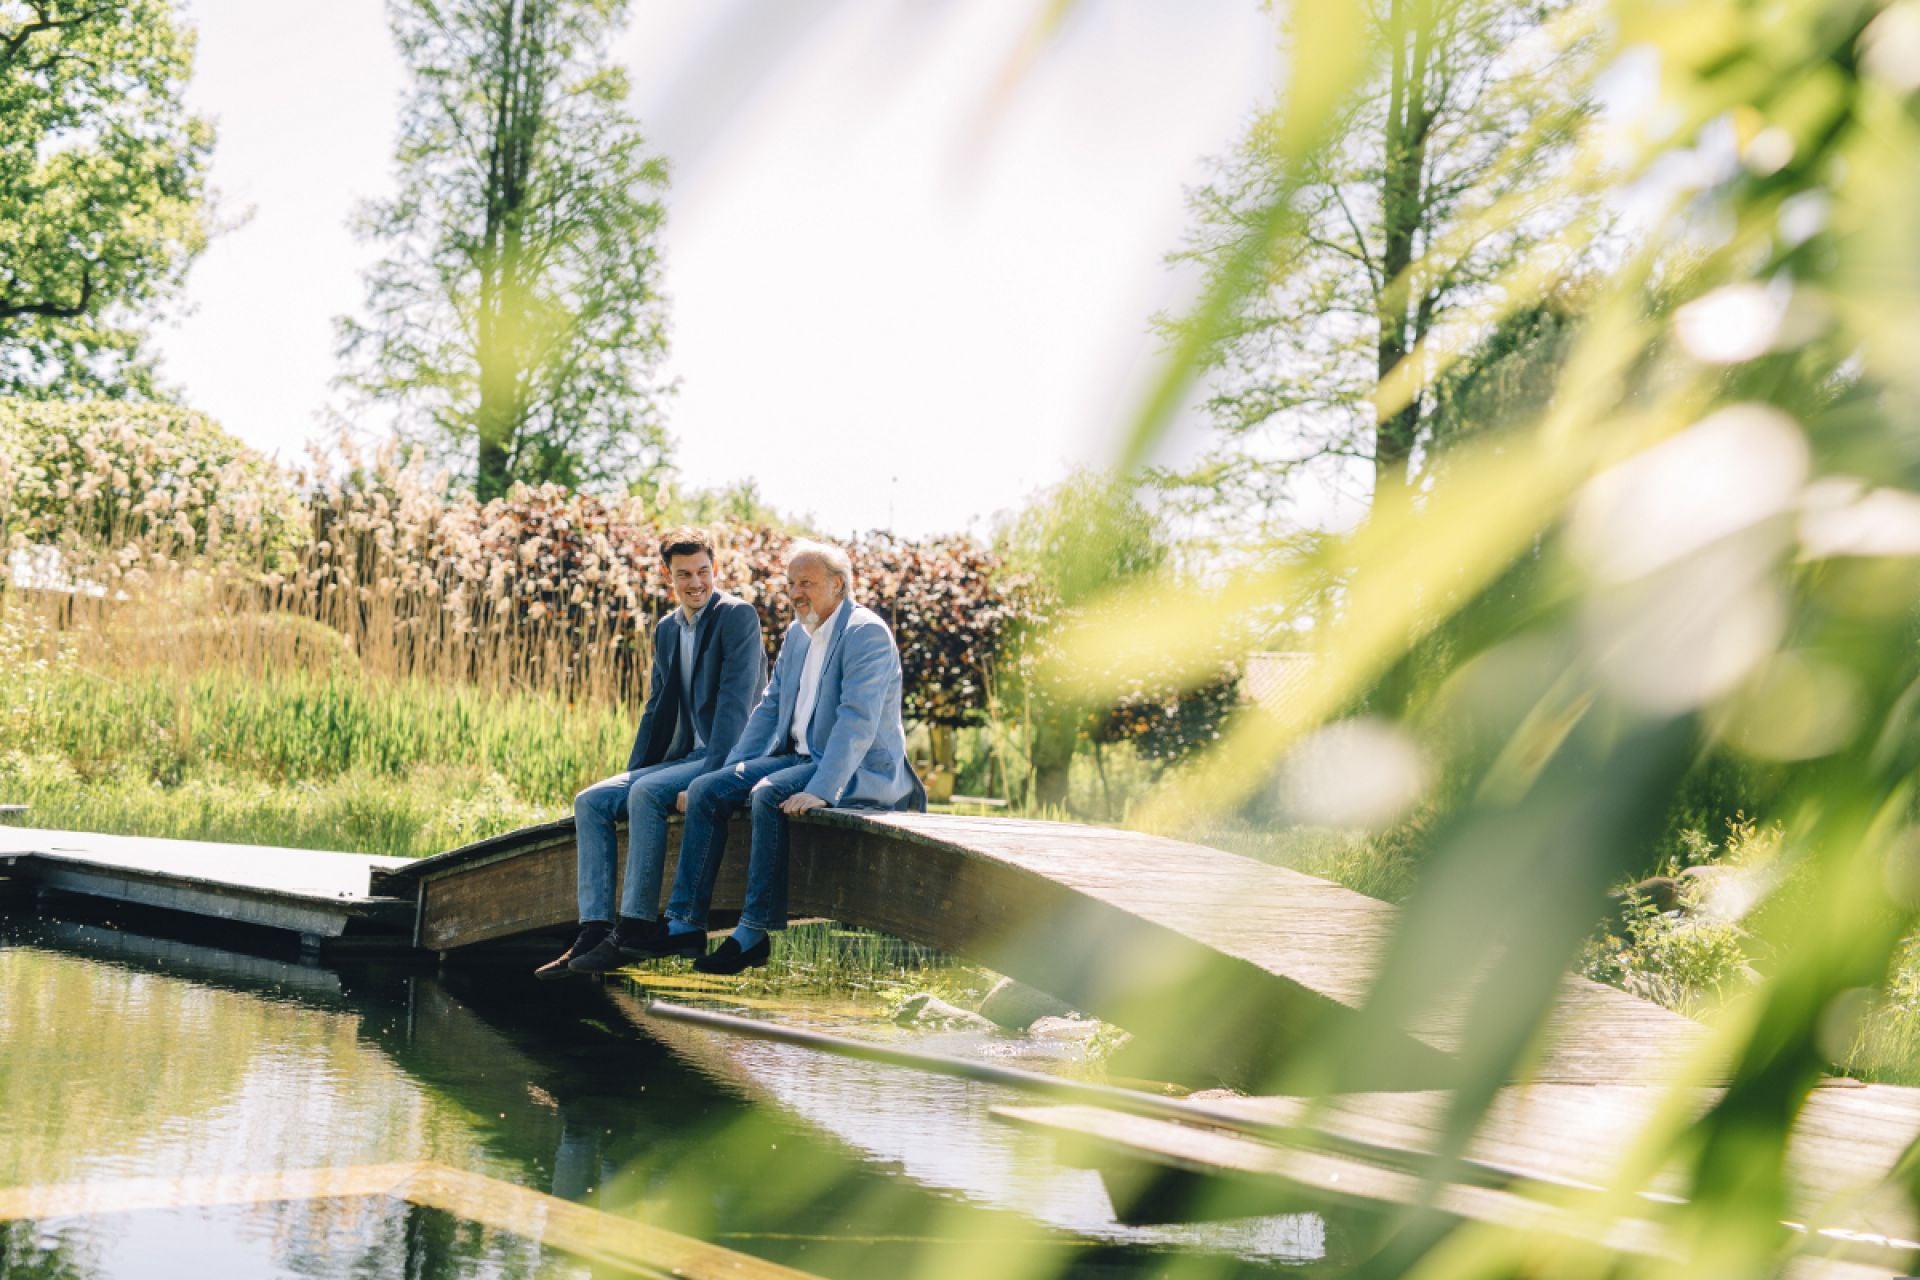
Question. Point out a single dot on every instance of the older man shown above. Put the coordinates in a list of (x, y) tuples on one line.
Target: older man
[(827, 731), (708, 663)]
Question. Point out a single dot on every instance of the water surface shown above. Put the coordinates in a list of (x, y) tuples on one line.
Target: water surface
[(128, 1057)]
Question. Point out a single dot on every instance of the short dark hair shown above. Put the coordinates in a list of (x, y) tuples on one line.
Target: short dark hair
[(684, 542)]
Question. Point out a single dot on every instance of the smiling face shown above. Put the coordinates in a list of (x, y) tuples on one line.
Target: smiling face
[(814, 589), (691, 577)]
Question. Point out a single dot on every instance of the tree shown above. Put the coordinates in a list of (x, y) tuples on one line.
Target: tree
[(103, 202), (1086, 536), (515, 323), (739, 502), (1433, 188)]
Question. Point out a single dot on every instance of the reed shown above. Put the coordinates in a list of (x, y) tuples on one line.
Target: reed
[(825, 954)]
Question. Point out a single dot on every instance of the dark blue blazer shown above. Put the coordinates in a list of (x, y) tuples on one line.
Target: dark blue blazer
[(729, 668)]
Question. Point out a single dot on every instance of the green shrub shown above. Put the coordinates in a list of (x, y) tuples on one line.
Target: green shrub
[(1685, 962)]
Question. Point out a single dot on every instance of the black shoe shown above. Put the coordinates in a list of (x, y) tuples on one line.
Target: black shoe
[(728, 958), (654, 940), (591, 935), (603, 958), (690, 946)]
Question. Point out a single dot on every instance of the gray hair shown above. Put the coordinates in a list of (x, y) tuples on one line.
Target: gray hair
[(827, 554)]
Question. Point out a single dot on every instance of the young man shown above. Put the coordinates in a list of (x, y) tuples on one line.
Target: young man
[(827, 731), (708, 665)]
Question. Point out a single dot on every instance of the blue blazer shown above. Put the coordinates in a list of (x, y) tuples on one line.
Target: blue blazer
[(858, 743), (729, 665)]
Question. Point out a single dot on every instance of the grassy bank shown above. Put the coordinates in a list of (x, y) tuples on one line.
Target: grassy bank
[(431, 810), (128, 740)]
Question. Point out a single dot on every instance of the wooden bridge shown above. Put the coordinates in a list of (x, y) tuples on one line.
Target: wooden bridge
[(1225, 965), (1228, 964)]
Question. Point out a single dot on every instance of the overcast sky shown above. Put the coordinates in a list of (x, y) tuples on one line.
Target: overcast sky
[(901, 293)]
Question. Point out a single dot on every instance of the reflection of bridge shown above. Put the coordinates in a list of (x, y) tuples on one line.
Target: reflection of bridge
[(1222, 965)]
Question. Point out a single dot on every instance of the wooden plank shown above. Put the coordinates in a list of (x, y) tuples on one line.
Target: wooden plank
[(134, 1195), (501, 891), (584, 1232), (1129, 1149), (299, 890), (401, 879), (305, 872), (1846, 1144), (1320, 1179), (294, 913)]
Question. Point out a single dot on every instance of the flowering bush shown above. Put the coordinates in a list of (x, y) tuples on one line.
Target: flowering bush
[(151, 482), (952, 607), (1168, 723), (555, 587)]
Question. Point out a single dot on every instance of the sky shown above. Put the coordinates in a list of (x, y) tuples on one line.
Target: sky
[(910, 270)]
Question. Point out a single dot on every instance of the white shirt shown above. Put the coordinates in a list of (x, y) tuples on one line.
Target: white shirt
[(818, 642)]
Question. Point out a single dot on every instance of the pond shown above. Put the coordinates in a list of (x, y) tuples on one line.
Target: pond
[(166, 1073)]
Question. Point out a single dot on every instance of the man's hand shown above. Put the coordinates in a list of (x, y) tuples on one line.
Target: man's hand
[(800, 802), (680, 803)]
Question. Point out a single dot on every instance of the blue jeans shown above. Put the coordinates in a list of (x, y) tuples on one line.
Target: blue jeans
[(646, 796), (703, 842)]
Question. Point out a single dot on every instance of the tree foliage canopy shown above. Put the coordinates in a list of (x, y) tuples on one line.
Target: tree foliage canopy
[(103, 201), (1388, 256), (515, 321)]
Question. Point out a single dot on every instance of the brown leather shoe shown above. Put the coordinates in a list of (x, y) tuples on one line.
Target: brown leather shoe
[(591, 934)]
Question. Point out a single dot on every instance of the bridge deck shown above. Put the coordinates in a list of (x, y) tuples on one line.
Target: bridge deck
[(302, 890), (1217, 958)]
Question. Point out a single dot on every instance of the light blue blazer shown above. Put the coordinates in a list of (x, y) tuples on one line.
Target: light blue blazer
[(858, 743)]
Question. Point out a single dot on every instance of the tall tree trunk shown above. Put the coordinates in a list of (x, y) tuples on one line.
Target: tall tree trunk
[(1402, 322), (1055, 734), (502, 346), (1402, 201)]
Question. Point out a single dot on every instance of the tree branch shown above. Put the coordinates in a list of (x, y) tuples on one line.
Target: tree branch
[(1353, 224), (54, 310), (17, 41)]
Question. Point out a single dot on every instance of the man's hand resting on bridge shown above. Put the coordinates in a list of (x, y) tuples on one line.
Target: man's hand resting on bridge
[(800, 802)]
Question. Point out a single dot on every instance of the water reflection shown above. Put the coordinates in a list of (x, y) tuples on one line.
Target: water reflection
[(128, 1057), (929, 1128), (358, 1237)]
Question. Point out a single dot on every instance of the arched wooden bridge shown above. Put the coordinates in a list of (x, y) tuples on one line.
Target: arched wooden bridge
[(1224, 965)]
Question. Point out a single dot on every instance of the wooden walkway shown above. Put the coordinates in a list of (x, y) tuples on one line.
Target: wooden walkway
[(1227, 964), (1538, 1143), (317, 895)]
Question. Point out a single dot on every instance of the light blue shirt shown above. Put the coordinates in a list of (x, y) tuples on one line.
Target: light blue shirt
[(688, 628)]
